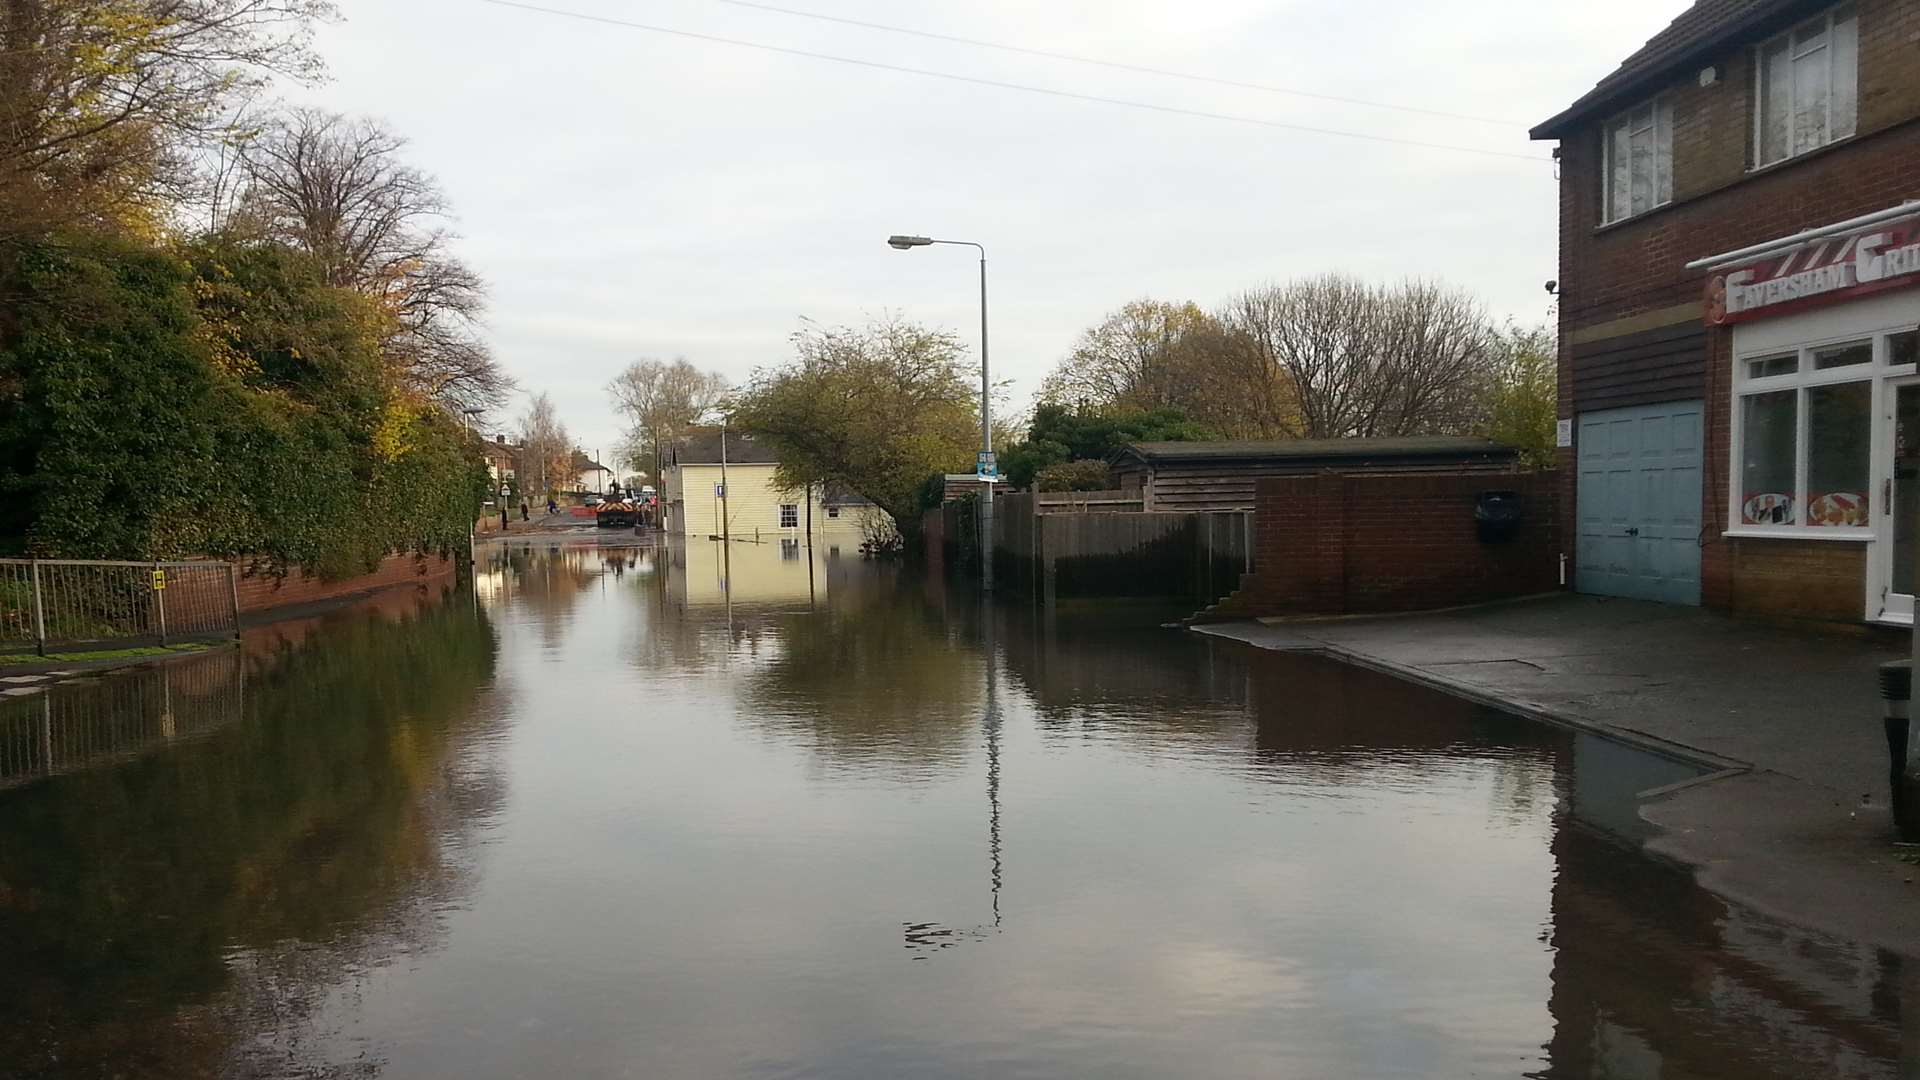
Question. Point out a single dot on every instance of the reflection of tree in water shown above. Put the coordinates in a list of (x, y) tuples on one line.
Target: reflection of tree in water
[(876, 676), (548, 581), (184, 913)]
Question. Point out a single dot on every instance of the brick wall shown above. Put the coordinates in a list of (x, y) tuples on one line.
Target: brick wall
[(1801, 579), (260, 592), (1636, 266), (1335, 545)]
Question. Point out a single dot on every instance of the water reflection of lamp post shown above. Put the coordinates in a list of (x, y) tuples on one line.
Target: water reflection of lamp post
[(992, 726), (907, 243)]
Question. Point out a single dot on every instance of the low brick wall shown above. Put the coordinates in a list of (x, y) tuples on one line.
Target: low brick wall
[(260, 592), (1345, 545)]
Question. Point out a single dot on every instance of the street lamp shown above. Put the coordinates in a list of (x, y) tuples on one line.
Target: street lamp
[(907, 243)]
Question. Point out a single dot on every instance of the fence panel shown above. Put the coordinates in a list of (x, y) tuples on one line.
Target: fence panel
[(65, 602)]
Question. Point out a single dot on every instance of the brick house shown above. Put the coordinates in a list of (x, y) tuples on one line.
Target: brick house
[(1740, 290)]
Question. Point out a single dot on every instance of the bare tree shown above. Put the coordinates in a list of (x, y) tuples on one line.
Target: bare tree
[(1361, 360), (662, 399), (102, 101), (337, 188), (1150, 354), (547, 449)]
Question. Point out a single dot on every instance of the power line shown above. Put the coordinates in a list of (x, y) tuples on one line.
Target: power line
[(1171, 110), (1116, 64)]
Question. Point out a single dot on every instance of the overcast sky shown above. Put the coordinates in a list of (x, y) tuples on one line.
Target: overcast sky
[(630, 193)]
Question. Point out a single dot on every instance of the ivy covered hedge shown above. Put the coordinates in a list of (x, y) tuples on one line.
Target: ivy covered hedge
[(218, 400)]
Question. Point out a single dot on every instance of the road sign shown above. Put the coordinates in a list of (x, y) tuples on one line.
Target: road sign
[(159, 579), (985, 466)]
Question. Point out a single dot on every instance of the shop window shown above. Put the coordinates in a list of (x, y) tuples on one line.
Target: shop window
[(1859, 352), (1805, 436), (1807, 86), (1638, 168), (1768, 428), (1839, 444), (789, 515), (1903, 349)]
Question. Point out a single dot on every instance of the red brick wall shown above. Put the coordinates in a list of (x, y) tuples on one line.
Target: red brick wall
[(259, 592), (1609, 275), (1334, 545)]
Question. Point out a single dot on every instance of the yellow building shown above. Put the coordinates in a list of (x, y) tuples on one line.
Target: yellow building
[(751, 501)]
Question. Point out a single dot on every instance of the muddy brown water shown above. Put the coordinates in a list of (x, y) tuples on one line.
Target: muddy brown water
[(656, 813)]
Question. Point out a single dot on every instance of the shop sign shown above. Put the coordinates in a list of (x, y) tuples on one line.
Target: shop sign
[(1830, 269)]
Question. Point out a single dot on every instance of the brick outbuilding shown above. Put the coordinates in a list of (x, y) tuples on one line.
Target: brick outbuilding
[(1740, 291)]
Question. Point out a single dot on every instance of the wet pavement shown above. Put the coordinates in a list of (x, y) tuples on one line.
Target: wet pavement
[(1803, 833), (769, 813)]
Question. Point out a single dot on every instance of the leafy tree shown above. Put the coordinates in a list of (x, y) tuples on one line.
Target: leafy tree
[(874, 409), (1059, 434), (1524, 402), (228, 402), (1131, 359), (102, 102), (1085, 474)]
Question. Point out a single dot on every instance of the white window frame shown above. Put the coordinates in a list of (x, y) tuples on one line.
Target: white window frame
[(1840, 13), (1876, 372), (789, 510), (833, 512), (1660, 124)]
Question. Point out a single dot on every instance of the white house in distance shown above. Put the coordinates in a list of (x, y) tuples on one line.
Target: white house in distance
[(753, 502)]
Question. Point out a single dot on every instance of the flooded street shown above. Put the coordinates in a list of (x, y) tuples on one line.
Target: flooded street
[(655, 813)]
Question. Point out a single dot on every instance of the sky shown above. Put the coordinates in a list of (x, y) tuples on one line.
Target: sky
[(630, 193)]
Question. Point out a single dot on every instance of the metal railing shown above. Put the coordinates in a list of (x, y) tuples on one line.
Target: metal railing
[(65, 602), (91, 721)]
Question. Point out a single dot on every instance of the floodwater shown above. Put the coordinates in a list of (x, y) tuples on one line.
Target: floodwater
[(652, 813)]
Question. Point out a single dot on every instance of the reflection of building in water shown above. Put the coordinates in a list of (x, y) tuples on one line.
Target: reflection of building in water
[(1654, 976), (778, 572)]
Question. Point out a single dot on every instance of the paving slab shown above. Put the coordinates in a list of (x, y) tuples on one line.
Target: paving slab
[(1798, 826)]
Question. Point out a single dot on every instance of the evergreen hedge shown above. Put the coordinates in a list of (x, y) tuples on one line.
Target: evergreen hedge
[(216, 400)]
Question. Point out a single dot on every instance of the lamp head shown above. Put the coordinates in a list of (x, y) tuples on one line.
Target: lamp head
[(902, 243)]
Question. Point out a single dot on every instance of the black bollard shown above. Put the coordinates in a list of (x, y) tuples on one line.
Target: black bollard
[(1896, 689)]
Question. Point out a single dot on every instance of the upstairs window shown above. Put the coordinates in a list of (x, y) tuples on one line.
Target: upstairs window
[(789, 515), (1639, 160), (1808, 86)]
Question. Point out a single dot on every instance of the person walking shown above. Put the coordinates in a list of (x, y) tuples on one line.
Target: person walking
[(552, 507), (525, 514)]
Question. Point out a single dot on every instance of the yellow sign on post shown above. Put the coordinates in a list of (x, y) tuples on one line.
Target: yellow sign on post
[(159, 580)]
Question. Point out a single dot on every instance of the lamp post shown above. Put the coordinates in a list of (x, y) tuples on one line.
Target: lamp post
[(468, 415), (907, 243)]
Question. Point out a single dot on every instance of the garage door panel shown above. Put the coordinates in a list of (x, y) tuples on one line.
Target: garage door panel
[(1638, 502)]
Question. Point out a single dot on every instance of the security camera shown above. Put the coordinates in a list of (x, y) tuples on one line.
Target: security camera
[(1552, 287)]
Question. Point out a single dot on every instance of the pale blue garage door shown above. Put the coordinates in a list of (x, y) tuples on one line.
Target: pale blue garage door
[(1638, 503)]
